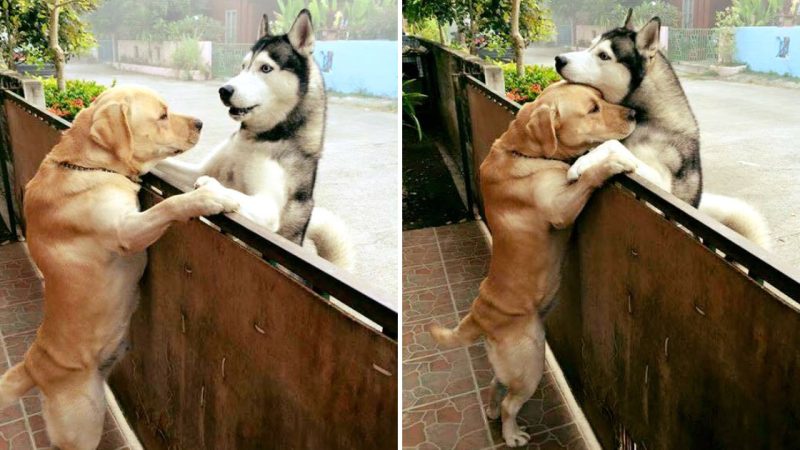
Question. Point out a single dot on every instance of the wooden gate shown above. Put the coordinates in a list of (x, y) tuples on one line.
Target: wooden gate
[(673, 331)]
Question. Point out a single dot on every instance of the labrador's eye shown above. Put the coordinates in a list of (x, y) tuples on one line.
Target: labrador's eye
[(163, 116), (595, 109), (604, 56), (266, 68)]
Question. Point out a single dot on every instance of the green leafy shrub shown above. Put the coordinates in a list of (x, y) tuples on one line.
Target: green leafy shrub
[(527, 87), (79, 95), (187, 56)]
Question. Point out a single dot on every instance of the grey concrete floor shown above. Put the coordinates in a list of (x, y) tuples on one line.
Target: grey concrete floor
[(750, 146), (358, 176)]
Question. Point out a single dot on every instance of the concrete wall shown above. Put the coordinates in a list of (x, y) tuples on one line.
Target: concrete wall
[(359, 67), (156, 53), (760, 48)]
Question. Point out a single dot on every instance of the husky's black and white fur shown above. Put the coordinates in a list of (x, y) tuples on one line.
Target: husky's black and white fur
[(279, 99), (628, 68)]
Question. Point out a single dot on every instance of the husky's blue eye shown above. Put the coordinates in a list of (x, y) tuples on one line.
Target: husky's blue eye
[(604, 56), (266, 68)]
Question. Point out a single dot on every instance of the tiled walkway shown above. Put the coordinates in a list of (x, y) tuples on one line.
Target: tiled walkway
[(21, 425), (444, 390)]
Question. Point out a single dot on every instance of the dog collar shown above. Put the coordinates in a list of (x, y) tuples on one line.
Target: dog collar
[(69, 165)]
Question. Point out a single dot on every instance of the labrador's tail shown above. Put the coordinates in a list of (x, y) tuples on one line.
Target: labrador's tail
[(14, 383), (331, 238), (467, 332), (738, 216)]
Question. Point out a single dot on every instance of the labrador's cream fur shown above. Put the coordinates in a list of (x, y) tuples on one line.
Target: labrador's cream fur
[(530, 207), (87, 236)]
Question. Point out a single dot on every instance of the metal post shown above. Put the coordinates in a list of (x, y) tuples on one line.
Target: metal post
[(5, 158), (464, 130)]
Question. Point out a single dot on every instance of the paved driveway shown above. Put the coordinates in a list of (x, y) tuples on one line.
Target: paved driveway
[(358, 176)]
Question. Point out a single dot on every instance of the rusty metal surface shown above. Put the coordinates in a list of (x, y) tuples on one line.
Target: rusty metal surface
[(229, 353), (664, 340), (30, 139), (488, 120)]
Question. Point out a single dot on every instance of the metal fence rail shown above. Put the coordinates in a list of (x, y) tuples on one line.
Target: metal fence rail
[(667, 322), (693, 44)]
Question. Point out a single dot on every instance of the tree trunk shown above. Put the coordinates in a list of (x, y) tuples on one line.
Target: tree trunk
[(441, 33), (55, 48), (516, 37), (473, 29)]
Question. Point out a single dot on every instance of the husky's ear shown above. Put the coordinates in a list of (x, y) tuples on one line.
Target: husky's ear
[(263, 29), (647, 39), (541, 127), (301, 36), (628, 21)]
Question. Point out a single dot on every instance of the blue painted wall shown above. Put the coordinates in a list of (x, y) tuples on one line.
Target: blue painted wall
[(764, 49), (359, 67)]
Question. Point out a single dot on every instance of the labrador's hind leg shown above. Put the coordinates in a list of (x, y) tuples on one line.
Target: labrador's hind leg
[(519, 366), (74, 414), (496, 393)]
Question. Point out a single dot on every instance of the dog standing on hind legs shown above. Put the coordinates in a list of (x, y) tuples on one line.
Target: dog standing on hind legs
[(279, 99), (629, 69), (530, 207)]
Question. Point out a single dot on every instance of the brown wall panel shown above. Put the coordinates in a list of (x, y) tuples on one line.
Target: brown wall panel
[(31, 139), (297, 373)]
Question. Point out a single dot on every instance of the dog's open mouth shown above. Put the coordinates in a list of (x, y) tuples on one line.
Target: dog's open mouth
[(238, 112)]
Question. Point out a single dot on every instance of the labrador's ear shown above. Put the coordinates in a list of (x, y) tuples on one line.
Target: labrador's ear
[(301, 35), (263, 29), (541, 127), (628, 21), (647, 39), (110, 130)]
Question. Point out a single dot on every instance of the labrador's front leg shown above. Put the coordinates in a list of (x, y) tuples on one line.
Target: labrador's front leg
[(138, 230)]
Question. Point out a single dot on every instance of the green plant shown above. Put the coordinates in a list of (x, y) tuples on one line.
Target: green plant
[(287, 12), (526, 88), (78, 95), (187, 56), (410, 102), (24, 26), (428, 29), (199, 27), (758, 12), (726, 22)]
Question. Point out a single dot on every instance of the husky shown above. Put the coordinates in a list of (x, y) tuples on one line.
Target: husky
[(278, 97), (628, 68)]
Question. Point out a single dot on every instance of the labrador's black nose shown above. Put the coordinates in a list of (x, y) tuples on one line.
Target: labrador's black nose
[(631, 114), (560, 62), (225, 94), (198, 124)]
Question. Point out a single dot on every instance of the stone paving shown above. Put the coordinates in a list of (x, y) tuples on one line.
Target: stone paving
[(21, 297), (444, 391)]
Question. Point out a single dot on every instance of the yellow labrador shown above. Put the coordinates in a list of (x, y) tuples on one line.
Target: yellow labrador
[(88, 237), (530, 207)]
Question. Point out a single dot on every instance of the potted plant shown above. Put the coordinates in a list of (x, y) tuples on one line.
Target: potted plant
[(726, 22)]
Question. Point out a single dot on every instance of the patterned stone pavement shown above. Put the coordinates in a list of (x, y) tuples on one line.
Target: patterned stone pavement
[(21, 425), (444, 391)]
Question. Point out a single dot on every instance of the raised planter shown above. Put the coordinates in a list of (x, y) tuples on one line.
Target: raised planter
[(726, 71), (43, 70)]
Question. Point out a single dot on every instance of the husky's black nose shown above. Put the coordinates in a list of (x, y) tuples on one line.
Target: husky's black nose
[(225, 94), (560, 62)]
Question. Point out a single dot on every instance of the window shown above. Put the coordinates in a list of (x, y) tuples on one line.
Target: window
[(231, 18), (687, 10)]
